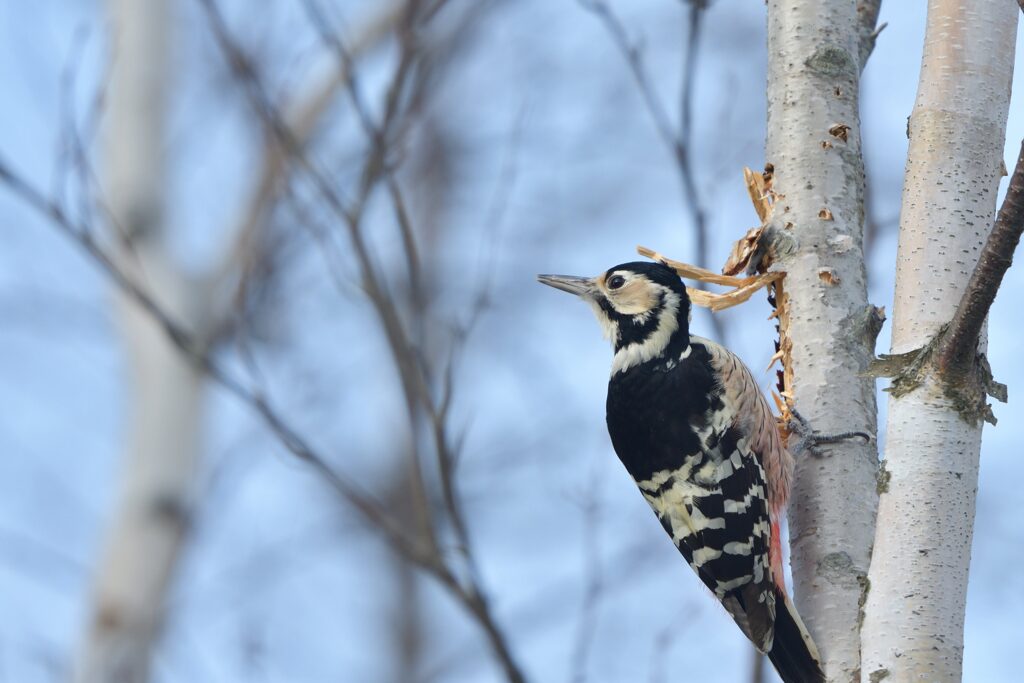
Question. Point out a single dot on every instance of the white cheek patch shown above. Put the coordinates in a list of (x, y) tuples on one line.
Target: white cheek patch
[(654, 345), (639, 296)]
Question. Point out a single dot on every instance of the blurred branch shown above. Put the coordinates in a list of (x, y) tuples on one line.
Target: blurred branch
[(634, 59), (251, 252), (417, 392), (593, 585), (690, 55), (349, 216), (678, 141), (415, 382), (194, 343), (195, 350), (867, 14), (153, 508)]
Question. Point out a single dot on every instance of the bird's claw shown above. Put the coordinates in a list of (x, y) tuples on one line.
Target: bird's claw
[(810, 440)]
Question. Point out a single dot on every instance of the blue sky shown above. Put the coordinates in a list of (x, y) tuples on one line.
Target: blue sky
[(558, 169)]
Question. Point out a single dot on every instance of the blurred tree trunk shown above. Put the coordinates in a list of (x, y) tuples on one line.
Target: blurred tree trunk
[(150, 517), (816, 49), (913, 628)]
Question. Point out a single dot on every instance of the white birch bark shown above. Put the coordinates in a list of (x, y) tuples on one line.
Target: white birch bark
[(913, 628), (814, 61), (165, 390)]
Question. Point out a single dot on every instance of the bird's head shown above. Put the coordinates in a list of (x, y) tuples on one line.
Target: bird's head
[(642, 307)]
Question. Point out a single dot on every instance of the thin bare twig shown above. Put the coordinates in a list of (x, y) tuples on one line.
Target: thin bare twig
[(350, 216), (378, 166), (250, 252), (378, 136), (958, 347), (407, 359), (426, 555), (196, 350), (409, 56), (594, 583), (690, 55)]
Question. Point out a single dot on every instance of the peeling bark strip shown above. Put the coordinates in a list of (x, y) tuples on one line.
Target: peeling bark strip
[(815, 52), (913, 627)]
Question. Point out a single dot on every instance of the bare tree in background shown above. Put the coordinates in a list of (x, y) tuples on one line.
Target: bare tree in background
[(151, 519), (162, 451)]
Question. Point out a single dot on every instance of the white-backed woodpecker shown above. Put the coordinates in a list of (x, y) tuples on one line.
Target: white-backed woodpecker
[(691, 426)]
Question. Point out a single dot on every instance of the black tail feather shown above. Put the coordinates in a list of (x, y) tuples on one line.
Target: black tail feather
[(793, 653)]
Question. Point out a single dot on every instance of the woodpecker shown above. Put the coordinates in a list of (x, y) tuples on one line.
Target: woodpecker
[(693, 429)]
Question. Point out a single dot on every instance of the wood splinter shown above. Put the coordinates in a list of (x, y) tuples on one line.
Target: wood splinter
[(744, 256)]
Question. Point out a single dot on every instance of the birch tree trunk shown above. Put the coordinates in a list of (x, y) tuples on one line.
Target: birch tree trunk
[(162, 444), (813, 141), (913, 628)]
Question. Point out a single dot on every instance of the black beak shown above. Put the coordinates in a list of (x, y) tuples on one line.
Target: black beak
[(580, 286)]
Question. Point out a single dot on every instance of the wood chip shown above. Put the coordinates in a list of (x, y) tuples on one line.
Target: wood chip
[(759, 189), (742, 252), (743, 287)]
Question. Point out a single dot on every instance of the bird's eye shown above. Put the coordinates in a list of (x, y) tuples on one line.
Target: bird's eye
[(616, 281)]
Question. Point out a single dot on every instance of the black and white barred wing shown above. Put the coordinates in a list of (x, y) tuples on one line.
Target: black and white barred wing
[(715, 509)]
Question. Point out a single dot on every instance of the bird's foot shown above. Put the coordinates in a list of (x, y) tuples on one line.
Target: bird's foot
[(810, 440)]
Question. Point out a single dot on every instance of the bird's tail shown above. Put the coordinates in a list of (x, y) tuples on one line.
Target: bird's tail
[(794, 654)]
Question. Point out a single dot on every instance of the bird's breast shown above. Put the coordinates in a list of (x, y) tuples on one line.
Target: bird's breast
[(659, 414)]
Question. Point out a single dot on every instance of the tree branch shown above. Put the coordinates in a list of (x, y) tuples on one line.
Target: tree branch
[(469, 592), (196, 351), (250, 252), (867, 15), (959, 346)]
